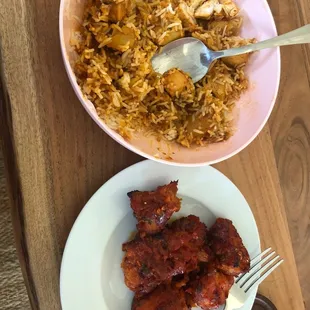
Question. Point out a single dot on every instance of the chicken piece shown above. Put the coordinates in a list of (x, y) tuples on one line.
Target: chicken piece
[(156, 259), (169, 36), (179, 85), (227, 27), (235, 61), (194, 4), (206, 10), (186, 15), (146, 264), (154, 209), (217, 9), (118, 11), (230, 9), (210, 289), (164, 297), (122, 41), (231, 256)]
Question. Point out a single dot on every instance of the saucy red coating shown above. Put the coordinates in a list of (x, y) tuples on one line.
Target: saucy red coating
[(210, 289), (231, 256), (146, 263), (152, 260), (164, 297), (186, 238), (154, 209)]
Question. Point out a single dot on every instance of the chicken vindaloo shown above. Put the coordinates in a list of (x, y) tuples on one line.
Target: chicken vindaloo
[(179, 265)]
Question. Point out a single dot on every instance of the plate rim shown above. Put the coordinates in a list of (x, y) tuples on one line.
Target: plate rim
[(117, 175)]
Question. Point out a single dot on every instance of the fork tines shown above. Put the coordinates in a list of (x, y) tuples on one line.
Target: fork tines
[(261, 267)]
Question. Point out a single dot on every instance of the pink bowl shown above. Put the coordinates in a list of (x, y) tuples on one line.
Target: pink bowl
[(251, 112)]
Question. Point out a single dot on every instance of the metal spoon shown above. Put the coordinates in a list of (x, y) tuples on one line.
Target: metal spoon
[(192, 56)]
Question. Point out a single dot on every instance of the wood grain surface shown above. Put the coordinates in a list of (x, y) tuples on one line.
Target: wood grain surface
[(56, 157), (290, 132)]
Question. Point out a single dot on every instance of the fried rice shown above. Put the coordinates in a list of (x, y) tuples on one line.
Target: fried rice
[(115, 44)]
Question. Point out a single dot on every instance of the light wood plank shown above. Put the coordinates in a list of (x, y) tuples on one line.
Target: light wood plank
[(254, 172), (290, 131)]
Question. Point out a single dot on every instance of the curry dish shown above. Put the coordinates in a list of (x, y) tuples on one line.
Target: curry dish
[(179, 265)]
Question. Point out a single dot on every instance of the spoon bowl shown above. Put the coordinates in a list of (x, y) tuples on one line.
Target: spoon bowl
[(187, 54), (193, 57)]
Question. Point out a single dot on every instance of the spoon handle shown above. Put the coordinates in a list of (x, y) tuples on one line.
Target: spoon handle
[(298, 36)]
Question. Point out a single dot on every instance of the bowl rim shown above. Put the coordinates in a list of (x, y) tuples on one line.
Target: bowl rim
[(114, 135)]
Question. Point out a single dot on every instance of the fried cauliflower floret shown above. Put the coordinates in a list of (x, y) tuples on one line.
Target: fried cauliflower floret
[(164, 297), (154, 209), (231, 256), (156, 259), (210, 289), (145, 264), (186, 243)]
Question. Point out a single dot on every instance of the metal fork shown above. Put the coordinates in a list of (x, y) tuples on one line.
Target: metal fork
[(261, 267)]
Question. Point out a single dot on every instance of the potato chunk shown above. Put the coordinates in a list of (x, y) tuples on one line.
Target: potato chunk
[(235, 61), (118, 11), (122, 41), (170, 36), (178, 84)]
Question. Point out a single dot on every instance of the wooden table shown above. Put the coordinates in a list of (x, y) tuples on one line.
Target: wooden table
[(56, 157)]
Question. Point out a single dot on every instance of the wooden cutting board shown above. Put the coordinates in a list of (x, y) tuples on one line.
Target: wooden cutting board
[(56, 157)]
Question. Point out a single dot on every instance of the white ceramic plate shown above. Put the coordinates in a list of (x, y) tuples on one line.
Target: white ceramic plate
[(91, 277)]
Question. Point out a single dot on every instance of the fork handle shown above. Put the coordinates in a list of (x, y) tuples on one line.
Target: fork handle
[(297, 36)]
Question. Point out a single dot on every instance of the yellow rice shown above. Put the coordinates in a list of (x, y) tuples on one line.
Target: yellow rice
[(130, 97)]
